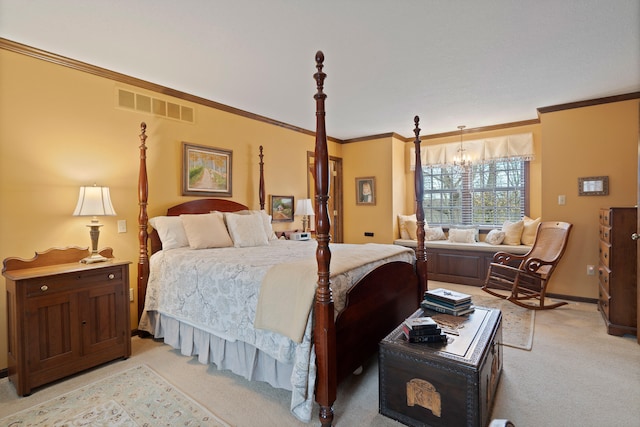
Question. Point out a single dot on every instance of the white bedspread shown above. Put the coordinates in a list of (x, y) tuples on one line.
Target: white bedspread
[(221, 298)]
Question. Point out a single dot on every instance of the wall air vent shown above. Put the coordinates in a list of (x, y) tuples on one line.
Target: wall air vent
[(156, 106)]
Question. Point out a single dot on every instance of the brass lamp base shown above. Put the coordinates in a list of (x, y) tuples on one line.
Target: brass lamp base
[(94, 233), (93, 258)]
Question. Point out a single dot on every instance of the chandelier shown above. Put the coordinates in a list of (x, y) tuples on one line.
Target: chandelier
[(462, 158)]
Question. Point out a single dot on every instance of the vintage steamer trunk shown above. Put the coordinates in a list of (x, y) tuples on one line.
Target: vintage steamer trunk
[(451, 384)]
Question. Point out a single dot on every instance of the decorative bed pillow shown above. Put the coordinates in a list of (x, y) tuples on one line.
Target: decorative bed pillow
[(412, 228), (512, 232), (434, 233), (206, 231), (402, 224), (170, 231), (466, 235), (246, 230), (266, 222), (529, 230), (495, 237)]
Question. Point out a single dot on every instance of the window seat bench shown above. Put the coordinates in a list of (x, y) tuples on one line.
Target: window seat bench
[(463, 263)]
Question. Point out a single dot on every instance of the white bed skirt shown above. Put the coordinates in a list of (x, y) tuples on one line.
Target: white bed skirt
[(236, 356)]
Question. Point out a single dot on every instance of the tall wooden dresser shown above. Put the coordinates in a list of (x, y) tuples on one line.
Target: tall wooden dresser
[(617, 270)]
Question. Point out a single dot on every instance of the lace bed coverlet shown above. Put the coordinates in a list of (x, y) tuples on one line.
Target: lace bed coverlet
[(217, 291)]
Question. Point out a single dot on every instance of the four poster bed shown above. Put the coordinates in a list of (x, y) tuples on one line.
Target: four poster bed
[(342, 314)]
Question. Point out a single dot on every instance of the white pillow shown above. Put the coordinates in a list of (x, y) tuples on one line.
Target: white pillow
[(434, 233), (495, 237), (170, 231), (402, 224), (246, 230), (467, 235), (206, 230), (512, 232), (412, 228), (529, 230), (266, 222)]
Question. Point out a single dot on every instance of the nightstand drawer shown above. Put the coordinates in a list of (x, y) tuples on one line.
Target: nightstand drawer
[(69, 281)]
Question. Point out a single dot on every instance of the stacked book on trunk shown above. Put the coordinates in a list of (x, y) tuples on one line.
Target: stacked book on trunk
[(446, 301), (423, 329)]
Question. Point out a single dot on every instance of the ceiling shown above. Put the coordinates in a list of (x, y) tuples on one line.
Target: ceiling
[(452, 62)]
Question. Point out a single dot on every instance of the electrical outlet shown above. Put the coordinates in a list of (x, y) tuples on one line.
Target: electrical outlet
[(122, 226), (131, 294), (562, 200), (368, 234), (591, 270)]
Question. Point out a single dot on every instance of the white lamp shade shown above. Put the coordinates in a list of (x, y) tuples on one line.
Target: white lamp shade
[(94, 201), (304, 207)]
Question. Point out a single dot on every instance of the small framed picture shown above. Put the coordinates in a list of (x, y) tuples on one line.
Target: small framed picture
[(593, 186), (366, 190), (281, 208), (206, 171)]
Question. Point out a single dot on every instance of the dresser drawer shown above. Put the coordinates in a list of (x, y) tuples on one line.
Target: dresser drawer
[(604, 301), (66, 282), (605, 216), (605, 233), (604, 277), (605, 254)]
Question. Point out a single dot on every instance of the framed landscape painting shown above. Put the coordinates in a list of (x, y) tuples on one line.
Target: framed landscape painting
[(281, 208), (206, 171)]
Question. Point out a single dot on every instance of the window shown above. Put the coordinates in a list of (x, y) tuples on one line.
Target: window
[(485, 194)]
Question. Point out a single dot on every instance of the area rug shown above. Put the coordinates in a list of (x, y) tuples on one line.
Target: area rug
[(135, 397), (517, 322)]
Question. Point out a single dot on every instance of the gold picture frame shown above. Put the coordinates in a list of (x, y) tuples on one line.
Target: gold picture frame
[(282, 208), (366, 190), (206, 171)]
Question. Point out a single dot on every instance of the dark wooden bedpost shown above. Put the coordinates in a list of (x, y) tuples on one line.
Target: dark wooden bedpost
[(261, 188), (421, 252), (143, 194), (324, 327)]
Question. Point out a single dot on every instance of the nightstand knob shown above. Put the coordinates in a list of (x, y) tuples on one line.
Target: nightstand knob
[(44, 288), (112, 276)]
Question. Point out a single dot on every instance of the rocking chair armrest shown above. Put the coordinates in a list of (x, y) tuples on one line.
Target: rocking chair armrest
[(532, 265), (506, 258)]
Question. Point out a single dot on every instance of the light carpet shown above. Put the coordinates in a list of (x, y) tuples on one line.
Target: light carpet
[(517, 322), (135, 397)]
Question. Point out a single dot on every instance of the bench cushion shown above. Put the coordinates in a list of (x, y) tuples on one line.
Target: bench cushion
[(477, 246)]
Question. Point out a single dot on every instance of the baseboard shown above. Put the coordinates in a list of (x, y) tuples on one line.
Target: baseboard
[(4, 373), (573, 298)]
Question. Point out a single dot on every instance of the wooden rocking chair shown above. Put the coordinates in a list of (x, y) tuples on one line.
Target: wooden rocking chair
[(526, 276)]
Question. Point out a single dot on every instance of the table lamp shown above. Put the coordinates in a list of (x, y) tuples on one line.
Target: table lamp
[(94, 202), (304, 208)]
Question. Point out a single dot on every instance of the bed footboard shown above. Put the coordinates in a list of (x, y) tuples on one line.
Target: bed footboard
[(374, 307)]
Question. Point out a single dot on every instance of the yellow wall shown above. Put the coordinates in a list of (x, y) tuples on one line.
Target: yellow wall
[(60, 129), (591, 141), (366, 158)]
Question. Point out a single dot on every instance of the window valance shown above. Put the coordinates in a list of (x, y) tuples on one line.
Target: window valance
[(479, 150)]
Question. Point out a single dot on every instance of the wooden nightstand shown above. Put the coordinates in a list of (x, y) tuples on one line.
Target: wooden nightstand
[(64, 316)]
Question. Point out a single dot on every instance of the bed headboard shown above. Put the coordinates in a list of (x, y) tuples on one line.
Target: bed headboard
[(198, 206)]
